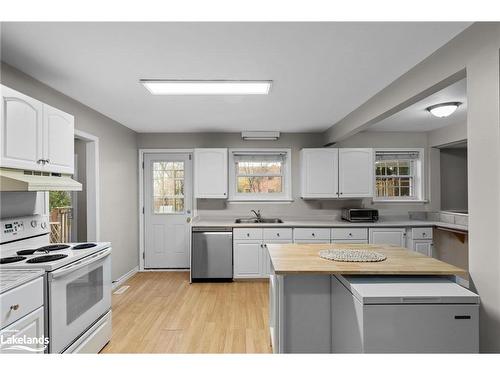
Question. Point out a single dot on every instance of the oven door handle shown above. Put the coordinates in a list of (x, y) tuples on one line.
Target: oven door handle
[(82, 263)]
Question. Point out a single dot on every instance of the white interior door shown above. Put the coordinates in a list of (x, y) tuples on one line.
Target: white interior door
[(167, 210)]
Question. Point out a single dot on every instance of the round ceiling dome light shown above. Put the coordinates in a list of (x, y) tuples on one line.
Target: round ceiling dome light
[(443, 109)]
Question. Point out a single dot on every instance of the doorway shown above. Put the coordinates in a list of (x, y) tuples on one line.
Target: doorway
[(167, 209)]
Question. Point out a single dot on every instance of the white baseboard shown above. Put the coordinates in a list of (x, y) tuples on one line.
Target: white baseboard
[(125, 277)]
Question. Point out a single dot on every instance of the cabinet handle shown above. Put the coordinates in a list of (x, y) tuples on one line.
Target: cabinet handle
[(47, 161), (313, 234), (277, 234), (341, 193), (350, 234), (15, 307), (40, 161)]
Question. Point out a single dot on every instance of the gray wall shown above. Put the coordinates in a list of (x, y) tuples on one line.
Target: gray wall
[(118, 167), (453, 179), (219, 208), (475, 54)]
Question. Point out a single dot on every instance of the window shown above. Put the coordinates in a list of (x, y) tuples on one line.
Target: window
[(259, 175), (168, 187), (398, 175)]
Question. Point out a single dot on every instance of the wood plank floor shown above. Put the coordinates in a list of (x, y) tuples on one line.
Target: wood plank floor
[(162, 313)]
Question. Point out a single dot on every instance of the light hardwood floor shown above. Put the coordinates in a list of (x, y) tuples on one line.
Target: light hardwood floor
[(162, 313)]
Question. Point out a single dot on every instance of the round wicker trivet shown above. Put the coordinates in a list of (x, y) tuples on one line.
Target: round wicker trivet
[(352, 255)]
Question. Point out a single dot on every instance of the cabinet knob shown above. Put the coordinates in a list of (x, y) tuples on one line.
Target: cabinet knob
[(47, 161), (313, 234), (15, 307), (277, 234), (248, 234), (350, 234)]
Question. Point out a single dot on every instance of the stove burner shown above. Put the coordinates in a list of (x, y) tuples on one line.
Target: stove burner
[(46, 258), (84, 246), (53, 247), (11, 259), (26, 252)]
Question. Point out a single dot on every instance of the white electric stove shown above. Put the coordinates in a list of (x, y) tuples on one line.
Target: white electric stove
[(78, 282)]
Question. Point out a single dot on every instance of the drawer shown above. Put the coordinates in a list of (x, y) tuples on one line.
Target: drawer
[(421, 233), (247, 233), (309, 242), (311, 234), (27, 297), (278, 234), (349, 233)]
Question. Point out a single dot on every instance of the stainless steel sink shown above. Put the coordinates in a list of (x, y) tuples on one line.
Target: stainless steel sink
[(258, 221)]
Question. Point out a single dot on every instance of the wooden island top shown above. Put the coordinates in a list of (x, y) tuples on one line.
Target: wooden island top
[(305, 259)]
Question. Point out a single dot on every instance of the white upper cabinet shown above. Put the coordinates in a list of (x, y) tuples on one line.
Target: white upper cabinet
[(34, 135), (355, 172), (210, 171), (59, 140), (319, 172), (21, 131)]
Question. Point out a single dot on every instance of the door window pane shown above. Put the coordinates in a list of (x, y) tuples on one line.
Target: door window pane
[(168, 187)]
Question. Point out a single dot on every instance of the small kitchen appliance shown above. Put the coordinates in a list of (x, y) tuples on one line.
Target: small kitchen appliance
[(359, 215)]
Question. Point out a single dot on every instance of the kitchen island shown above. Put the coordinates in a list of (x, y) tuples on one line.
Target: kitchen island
[(302, 289)]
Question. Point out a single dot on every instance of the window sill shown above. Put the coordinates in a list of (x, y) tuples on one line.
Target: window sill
[(400, 201), (260, 200)]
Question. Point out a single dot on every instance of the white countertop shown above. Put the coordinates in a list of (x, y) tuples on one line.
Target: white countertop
[(11, 278), (323, 222)]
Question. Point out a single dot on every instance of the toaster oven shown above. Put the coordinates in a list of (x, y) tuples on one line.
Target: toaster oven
[(359, 215)]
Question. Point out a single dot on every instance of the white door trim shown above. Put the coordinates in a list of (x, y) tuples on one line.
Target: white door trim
[(143, 151), (92, 178)]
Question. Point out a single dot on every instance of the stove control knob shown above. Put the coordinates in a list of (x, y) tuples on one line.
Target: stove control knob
[(33, 223), (43, 225)]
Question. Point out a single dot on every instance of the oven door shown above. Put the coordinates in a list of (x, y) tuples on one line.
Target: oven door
[(79, 294)]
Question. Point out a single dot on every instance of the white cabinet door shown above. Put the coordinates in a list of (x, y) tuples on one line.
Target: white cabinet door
[(25, 329), (423, 247), (210, 170), (58, 140), (388, 236), (247, 259), (355, 172), (319, 173), (21, 131)]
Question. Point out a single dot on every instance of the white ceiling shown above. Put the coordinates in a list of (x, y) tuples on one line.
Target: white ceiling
[(416, 118), (321, 71)]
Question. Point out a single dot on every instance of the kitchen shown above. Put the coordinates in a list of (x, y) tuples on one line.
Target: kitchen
[(223, 212)]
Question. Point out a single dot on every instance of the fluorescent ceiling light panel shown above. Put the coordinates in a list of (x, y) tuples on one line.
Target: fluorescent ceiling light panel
[(260, 136), (443, 109), (187, 87)]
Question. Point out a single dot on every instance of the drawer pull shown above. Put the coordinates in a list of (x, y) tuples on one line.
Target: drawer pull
[(313, 234), (248, 234), (15, 307), (462, 316), (277, 234)]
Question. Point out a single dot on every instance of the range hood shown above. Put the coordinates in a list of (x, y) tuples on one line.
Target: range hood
[(20, 180)]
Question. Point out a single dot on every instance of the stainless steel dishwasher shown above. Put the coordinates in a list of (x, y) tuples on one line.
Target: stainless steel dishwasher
[(212, 254)]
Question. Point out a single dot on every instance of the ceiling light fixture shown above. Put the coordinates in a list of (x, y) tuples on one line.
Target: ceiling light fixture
[(203, 87), (260, 136), (443, 109)]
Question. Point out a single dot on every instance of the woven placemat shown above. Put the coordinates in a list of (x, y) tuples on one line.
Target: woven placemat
[(352, 255)]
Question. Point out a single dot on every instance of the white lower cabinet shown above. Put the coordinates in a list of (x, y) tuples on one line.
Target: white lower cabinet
[(251, 256), (388, 236), (29, 330), (420, 240), (247, 259), (423, 247)]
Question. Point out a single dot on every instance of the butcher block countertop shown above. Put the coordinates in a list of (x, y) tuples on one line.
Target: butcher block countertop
[(304, 259)]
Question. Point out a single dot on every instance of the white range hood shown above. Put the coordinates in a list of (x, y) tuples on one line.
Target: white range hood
[(20, 180)]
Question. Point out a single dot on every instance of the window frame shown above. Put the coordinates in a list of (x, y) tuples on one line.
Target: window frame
[(286, 173), (418, 177)]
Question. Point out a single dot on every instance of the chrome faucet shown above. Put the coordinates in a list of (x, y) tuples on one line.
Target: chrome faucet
[(257, 214)]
